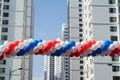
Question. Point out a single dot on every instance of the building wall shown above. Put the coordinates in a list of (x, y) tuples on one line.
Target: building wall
[(19, 26), (99, 26), (81, 68)]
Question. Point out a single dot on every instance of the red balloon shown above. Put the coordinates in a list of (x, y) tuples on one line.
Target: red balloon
[(1, 57)]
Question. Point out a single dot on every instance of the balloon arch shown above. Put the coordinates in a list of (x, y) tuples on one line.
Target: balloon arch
[(59, 48)]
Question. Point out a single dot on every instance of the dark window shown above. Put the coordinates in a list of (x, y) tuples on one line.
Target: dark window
[(80, 25), (81, 56), (80, 20), (81, 40), (119, 8), (2, 70), (114, 38), (5, 14), (115, 58), (113, 28), (3, 62), (81, 73), (81, 61), (80, 30), (80, 0), (116, 77), (6, 0), (81, 67), (115, 68), (6, 7), (2, 78), (5, 22), (113, 19), (4, 29), (80, 5), (80, 10), (81, 35), (4, 37), (112, 10), (80, 15), (81, 78), (111, 1)]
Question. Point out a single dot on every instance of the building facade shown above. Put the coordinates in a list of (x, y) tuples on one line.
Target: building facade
[(102, 22), (81, 68), (16, 23), (57, 68)]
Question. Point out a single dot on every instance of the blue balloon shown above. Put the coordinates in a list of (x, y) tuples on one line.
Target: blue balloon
[(1, 43)]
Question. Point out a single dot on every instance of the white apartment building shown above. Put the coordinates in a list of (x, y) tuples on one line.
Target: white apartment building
[(49, 68), (102, 22), (57, 68), (16, 23), (81, 68)]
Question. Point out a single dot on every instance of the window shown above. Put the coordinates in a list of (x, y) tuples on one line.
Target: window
[(81, 73), (5, 22), (81, 78), (81, 61), (4, 29), (0, 5), (80, 25), (6, 0), (2, 70), (81, 67), (119, 9), (80, 5), (111, 1), (80, 10), (114, 38), (81, 56), (113, 28), (81, 35), (80, 30), (113, 19), (3, 62), (116, 77), (6, 7), (112, 10), (80, 0), (2, 78), (5, 14), (80, 20), (81, 40), (4, 37), (115, 58), (115, 68), (80, 15)]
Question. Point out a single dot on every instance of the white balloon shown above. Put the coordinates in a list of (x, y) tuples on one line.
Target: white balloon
[(21, 45), (57, 46), (66, 42), (2, 47), (73, 50), (25, 42), (30, 40), (112, 47), (78, 44), (44, 42), (94, 47), (36, 49), (58, 39), (39, 45), (17, 48), (83, 42), (62, 43), (6, 43)]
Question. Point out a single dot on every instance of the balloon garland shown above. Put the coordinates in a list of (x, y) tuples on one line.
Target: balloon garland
[(59, 48)]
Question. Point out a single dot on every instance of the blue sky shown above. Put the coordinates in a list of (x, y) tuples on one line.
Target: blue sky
[(48, 18)]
